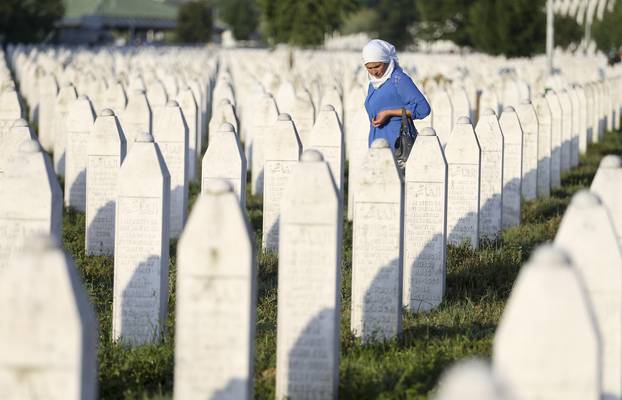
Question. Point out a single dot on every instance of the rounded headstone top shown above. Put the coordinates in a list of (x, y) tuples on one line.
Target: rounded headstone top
[(525, 102), (106, 112), (217, 186), (464, 120), (40, 242), (311, 156), (550, 255), (224, 102), (381, 143), (20, 123), (327, 107), (144, 137), (29, 146), (611, 161), (83, 97), (172, 103), (427, 132), (489, 112), (226, 127), (585, 198), (509, 109), (284, 117)]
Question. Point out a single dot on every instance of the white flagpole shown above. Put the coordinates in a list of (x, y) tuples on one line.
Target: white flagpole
[(550, 38)]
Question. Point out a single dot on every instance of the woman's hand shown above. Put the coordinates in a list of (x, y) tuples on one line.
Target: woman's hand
[(382, 118)]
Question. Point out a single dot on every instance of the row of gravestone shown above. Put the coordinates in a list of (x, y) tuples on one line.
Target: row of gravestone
[(560, 336)]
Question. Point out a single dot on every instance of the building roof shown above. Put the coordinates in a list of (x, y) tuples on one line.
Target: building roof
[(119, 12)]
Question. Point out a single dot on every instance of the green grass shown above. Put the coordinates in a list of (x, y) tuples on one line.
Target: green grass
[(478, 285)]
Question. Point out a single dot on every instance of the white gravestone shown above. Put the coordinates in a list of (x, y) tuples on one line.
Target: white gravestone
[(490, 139), (461, 104), (31, 200), (442, 115), (48, 90), (557, 127), (307, 360), (170, 132), (463, 156), (327, 138), (591, 106), (425, 224), (512, 167), (223, 113), (262, 122), (10, 141), (587, 234), (546, 345), (141, 248), (583, 116), (216, 300), (10, 109), (377, 252), (469, 380), (607, 184), (80, 119), (303, 115), (567, 128), (115, 97), (106, 149), (529, 123), (357, 152), (136, 118), (282, 150), (188, 105), (576, 127), (66, 95), (48, 340), (545, 130), (224, 160)]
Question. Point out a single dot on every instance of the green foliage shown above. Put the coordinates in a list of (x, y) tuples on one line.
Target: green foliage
[(514, 28), (395, 21), (241, 15), (444, 19), (28, 21), (194, 22), (363, 20), (303, 22), (608, 33), (567, 31)]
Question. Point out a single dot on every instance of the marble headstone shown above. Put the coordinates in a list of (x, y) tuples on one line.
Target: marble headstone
[(529, 124), (327, 138), (607, 184), (545, 130)]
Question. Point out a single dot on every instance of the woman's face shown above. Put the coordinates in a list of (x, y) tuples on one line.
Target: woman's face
[(376, 69)]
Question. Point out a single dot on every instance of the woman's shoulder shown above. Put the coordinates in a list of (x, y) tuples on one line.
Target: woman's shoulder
[(399, 76)]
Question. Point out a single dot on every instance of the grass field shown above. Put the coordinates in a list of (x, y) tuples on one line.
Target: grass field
[(478, 285)]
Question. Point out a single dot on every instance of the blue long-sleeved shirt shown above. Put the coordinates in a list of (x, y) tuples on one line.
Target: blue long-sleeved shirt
[(397, 92)]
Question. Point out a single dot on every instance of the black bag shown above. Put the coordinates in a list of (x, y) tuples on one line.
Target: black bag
[(405, 140)]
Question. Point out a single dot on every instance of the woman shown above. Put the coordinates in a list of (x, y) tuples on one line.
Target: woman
[(390, 90)]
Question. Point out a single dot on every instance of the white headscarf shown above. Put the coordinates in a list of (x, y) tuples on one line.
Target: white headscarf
[(380, 51)]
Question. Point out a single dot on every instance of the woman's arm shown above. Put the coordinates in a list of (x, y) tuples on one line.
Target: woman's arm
[(412, 98), (384, 115)]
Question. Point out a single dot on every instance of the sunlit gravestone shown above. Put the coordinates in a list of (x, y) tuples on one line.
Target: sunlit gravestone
[(216, 299), (512, 167), (545, 130), (425, 224), (529, 123), (357, 152), (547, 344), (141, 252), (189, 107), (587, 234), (223, 112), (442, 115), (282, 150), (10, 109), (263, 121), (490, 139), (327, 137), (224, 160), (469, 380), (49, 332), (377, 253), (170, 132), (310, 244), (463, 156), (30, 200), (106, 149), (66, 96), (607, 184), (80, 119), (557, 126), (137, 116), (566, 139), (48, 89), (11, 139)]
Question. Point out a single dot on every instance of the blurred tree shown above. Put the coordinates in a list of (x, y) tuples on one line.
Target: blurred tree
[(514, 28), (608, 33), (567, 31), (444, 20), (194, 22), (28, 21), (363, 20), (303, 22), (241, 15), (395, 21)]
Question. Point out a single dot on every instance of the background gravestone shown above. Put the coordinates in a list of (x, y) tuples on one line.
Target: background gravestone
[(48, 90), (224, 160), (567, 128), (546, 345), (587, 234), (281, 149), (529, 123), (327, 138), (137, 116), (30, 200), (463, 156), (263, 121), (140, 292), (545, 130), (490, 139), (80, 119), (44, 355), (10, 141), (216, 300), (425, 224), (106, 150), (377, 252), (442, 115), (310, 243), (66, 95), (557, 126), (188, 105)]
